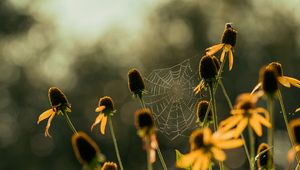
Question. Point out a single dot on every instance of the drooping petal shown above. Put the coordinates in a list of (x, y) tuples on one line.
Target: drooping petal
[(103, 125), (47, 134), (262, 120), (230, 144), (293, 81), (100, 109), (264, 111), (297, 110), (152, 155), (284, 81), (256, 126), (205, 162), (46, 114), (240, 127), (237, 111), (218, 154), (213, 49), (233, 122), (230, 56), (206, 135), (188, 159), (97, 120), (198, 163), (222, 56), (256, 88)]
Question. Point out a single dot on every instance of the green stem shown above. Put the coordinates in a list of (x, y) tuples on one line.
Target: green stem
[(271, 130), (284, 114), (69, 122), (215, 119), (298, 166), (161, 158), (252, 146), (115, 143), (231, 107)]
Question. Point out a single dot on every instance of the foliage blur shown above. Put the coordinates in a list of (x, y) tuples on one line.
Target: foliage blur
[(86, 48)]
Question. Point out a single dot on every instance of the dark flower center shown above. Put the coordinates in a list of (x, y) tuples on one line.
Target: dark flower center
[(86, 150), (135, 82), (269, 80), (297, 134), (108, 103), (57, 97), (277, 66), (229, 36), (201, 111), (145, 120), (208, 68), (198, 140)]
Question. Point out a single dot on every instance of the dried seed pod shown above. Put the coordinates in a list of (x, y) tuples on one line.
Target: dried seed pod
[(208, 68), (229, 35), (57, 97), (264, 158), (201, 109), (135, 82)]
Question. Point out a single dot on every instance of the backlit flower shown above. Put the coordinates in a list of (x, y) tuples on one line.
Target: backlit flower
[(208, 70), (105, 109), (59, 105), (146, 130), (228, 42), (109, 166), (246, 113), (86, 150), (269, 84), (206, 146)]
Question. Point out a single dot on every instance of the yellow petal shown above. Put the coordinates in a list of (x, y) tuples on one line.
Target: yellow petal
[(198, 163), (213, 49), (298, 109), (293, 81), (100, 109), (45, 115), (264, 111), (47, 134), (206, 135), (103, 125), (284, 81), (237, 111), (218, 154), (230, 144), (233, 122), (222, 56), (230, 56), (240, 127), (262, 120), (188, 159), (98, 120), (152, 155), (256, 127), (256, 88), (205, 162)]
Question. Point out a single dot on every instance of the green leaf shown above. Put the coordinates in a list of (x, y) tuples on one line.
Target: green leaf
[(178, 156)]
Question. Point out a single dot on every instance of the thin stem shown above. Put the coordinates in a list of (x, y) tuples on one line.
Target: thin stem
[(271, 130), (149, 164), (284, 114), (298, 166), (115, 143), (215, 121), (69, 122), (231, 107), (252, 147), (161, 158)]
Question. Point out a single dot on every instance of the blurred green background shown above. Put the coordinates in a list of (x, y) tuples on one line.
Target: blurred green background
[(86, 48)]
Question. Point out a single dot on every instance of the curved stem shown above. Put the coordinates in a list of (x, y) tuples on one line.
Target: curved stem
[(115, 143), (69, 122), (215, 119), (231, 107), (284, 114), (252, 147), (142, 101), (271, 130), (298, 166)]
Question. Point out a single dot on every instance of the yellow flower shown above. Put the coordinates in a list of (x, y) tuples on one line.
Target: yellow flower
[(294, 125), (105, 109), (246, 113), (86, 150), (228, 42), (59, 104), (208, 70), (282, 79), (205, 146), (109, 166), (146, 130)]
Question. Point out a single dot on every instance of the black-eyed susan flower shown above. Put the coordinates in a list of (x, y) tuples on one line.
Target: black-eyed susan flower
[(228, 41), (201, 109), (86, 150), (146, 130), (135, 82), (264, 157), (294, 125), (109, 166), (208, 70), (206, 146), (105, 109), (59, 105), (246, 113)]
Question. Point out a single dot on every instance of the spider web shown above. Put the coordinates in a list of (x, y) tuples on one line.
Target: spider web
[(170, 97)]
